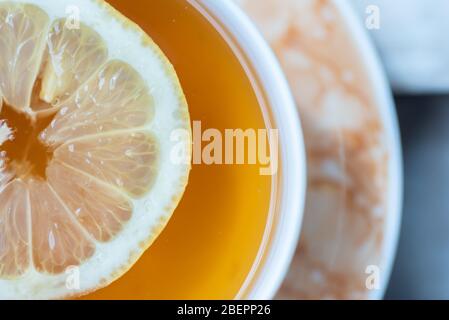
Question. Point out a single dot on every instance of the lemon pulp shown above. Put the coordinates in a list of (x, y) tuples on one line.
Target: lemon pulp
[(86, 174)]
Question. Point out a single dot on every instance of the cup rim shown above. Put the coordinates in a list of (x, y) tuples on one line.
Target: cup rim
[(386, 108), (275, 256)]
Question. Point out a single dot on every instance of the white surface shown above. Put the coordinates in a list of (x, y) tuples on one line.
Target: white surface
[(413, 42), (388, 113)]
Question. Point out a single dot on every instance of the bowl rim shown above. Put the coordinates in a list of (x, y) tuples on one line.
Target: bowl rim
[(282, 233), (387, 111)]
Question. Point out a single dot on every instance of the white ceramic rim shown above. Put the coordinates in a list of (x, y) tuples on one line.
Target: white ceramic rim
[(387, 111), (265, 278), (272, 79)]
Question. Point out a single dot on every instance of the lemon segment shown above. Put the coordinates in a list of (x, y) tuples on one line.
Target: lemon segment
[(111, 183), (23, 30)]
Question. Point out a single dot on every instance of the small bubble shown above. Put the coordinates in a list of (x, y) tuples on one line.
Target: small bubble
[(10, 19), (113, 82), (78, 100), (119, 182), (64, 111), (51, 240), (55, 102), (101, 83), (129, 153)]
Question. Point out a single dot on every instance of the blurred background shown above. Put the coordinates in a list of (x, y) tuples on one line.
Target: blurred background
[(412, 40), (422, 262)]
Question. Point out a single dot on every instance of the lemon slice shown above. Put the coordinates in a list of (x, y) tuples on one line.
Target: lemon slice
[(111, 182)]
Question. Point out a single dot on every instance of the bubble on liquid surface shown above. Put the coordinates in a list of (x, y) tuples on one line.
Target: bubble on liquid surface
[(5, 132)]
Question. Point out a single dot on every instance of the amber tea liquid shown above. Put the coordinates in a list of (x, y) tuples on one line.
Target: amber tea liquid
[(213, 238)]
